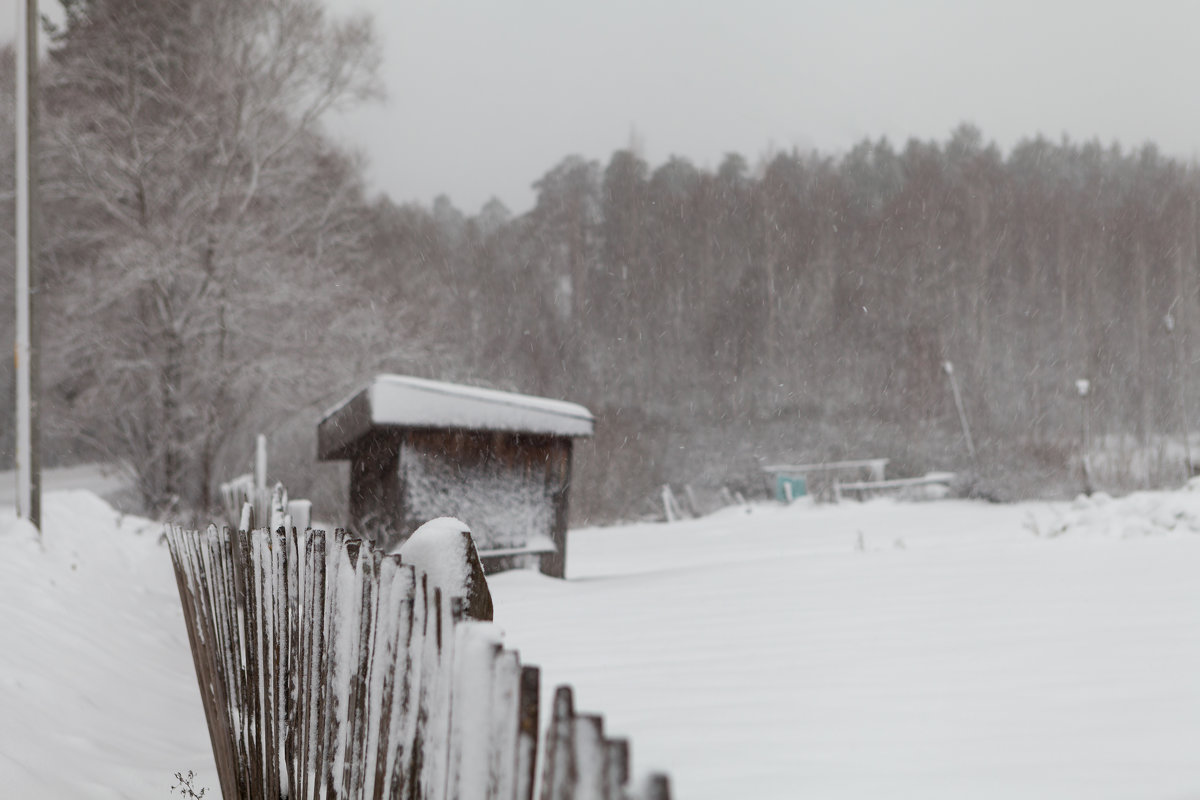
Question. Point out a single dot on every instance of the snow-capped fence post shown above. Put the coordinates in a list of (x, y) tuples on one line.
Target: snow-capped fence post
[(328, 668)]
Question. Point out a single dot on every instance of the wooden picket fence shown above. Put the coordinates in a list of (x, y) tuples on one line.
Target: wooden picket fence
[(330, 669)]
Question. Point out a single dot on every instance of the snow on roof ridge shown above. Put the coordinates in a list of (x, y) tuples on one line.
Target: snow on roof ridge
[(498, 396), (409, 402)]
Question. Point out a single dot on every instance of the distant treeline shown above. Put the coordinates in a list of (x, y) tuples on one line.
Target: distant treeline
[(804, 308)]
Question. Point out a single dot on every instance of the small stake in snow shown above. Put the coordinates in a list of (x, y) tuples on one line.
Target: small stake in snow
[(1084, 386), (962, 414), (260, 463)]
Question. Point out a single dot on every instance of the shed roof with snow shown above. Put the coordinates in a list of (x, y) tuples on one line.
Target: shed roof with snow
[(420, 449), (406, 402)]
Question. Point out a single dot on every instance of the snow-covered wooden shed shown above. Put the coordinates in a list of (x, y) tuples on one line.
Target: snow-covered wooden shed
[(420, 449)]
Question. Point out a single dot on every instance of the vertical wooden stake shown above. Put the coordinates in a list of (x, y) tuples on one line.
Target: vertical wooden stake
[(962, 413), (260, 463)]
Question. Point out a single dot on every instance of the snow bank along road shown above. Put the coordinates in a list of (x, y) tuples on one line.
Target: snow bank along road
[(98, 696), (882, 650)]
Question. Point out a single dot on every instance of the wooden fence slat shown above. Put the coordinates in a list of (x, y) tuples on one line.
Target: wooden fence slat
[(228, 657), (312, 621), (281, 656), (425, 642), (295, 549), (225, 659), (504, 727), (402, 722), (280, 667), (588, 750), (390, 637), (434, 710), (616, 768), (264, 712), (527, 731), (206, 633), (253, 731), (356, 745), (269, 663), (225, 559), (450, 615), (476, 651), (177, 541), (343, 651), (374, 633), (460, 668), (558, 780), (327, 701)]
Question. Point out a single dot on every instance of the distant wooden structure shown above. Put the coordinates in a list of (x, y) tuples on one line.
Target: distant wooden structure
[(820, 480), (420, 449), (928, 486)]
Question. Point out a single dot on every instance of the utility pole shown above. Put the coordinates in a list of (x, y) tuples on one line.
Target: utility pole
[(25, 353)]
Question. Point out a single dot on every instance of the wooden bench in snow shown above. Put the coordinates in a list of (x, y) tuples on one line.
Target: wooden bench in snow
[(821, 478), (539, 545), (861, 490)]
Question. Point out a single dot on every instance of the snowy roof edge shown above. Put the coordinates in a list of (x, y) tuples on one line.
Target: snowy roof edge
[(559, 407), (406, 401)]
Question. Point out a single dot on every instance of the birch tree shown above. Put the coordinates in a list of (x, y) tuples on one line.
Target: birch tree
[(205, 228)]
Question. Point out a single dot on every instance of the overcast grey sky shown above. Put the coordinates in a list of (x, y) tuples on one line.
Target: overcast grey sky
[(486, 95)]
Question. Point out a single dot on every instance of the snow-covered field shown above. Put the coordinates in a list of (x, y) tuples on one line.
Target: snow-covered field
[(766, 653), (892, 650)]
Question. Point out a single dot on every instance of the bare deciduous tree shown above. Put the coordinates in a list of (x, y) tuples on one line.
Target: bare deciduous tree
[(207, 230)]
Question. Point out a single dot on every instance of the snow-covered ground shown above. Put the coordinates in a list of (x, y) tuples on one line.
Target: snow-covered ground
[(937, 650), (98, 696), (930, 650)]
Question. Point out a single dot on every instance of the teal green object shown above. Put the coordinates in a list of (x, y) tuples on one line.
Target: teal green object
[(797, 485)]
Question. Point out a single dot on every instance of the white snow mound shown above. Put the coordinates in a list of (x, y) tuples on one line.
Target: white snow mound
[(439, 549), (1135, 516)]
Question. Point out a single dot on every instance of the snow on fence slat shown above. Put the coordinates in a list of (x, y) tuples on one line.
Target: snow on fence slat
[(330, 669)]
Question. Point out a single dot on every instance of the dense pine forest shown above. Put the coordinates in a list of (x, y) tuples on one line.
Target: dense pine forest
[(214, 266)]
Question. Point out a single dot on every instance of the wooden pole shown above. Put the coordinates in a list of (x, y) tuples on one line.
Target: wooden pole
[(962, 413), (29, 501), (260, 462)]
